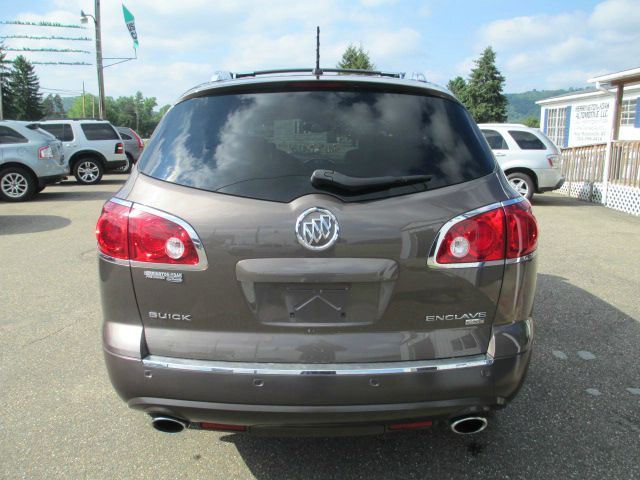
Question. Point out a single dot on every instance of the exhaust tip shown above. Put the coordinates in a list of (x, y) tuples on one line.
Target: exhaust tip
[(168, 424), (469, 425)]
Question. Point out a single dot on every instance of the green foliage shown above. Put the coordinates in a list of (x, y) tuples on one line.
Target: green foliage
[(523, 105), (76, 109), (532, 122), (483, 93), (356, 57), (52, 107), (135, 112), (7, 95), (458, 87), (25, 90)]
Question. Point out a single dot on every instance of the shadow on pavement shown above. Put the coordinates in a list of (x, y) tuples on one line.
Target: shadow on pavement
[(62, 196), (15, 224), (573, 418), (560, 201)]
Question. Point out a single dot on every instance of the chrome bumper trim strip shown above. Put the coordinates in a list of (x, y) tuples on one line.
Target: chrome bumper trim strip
[(387, 368)]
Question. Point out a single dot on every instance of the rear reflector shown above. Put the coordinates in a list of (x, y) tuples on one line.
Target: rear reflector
[(500, 233), (222, 426), (411, 426), (128, 233)]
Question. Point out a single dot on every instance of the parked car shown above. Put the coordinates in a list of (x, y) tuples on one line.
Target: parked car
[(30, 159), (529, 159), (317, 254), (133, 146), (92, 147)]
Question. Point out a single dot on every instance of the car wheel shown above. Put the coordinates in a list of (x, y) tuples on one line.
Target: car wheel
[(126, 168), (522, 183), (17, 185), (88, 171)]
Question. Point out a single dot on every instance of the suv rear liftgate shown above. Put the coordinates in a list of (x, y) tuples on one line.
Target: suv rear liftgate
[(303, 247)]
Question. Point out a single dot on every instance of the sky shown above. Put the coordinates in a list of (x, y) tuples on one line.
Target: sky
[(539, 44)]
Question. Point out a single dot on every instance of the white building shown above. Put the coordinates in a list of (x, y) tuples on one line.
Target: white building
[(599, 130), (586, 117)]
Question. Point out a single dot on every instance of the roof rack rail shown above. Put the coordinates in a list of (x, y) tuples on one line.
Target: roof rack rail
[(324, 70)]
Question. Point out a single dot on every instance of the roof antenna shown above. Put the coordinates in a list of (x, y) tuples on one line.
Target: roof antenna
[(317, 71)]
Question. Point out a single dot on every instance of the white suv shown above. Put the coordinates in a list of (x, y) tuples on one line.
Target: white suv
[(92, 147), (529, 159)]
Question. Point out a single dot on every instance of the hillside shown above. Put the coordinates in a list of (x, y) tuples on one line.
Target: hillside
[(523, 105)]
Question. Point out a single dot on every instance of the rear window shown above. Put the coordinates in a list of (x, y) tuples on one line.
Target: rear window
[(267, 145), (62, 131), (527, 140), (99, 131), (495, 140), (9, 135), (124, 136)]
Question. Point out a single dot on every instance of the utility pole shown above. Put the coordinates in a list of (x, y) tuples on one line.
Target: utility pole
[(84, 115), (101, 106), (96, 21), (1, 97)]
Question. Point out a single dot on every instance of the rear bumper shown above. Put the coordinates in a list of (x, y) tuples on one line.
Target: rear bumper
[(114, 164), (549, 179), (285, 396), (50, 179)]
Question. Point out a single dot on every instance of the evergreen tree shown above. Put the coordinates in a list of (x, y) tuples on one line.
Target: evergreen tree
[(484, 98), (356, 57), (458, 87), (25, 89), (52, 106), (7, 96)]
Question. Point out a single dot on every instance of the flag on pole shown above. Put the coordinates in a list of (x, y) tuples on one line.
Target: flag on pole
[(130, 21)]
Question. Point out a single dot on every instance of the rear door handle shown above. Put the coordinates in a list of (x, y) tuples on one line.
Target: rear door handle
[(500, 154)]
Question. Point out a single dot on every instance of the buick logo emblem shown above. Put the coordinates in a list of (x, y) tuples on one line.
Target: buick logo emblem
[(317, 229)]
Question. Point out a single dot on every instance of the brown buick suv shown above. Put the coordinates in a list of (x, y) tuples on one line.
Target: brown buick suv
[(317, 253)]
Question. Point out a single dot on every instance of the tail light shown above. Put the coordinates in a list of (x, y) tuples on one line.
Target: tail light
[(554, 160), (139, 140), (45, 152), (126, 232), (119, 148), (495, 234)]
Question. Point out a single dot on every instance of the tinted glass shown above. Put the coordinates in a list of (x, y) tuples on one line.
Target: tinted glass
[(9, 135), (124, 136), (527, 140), (62, 131), (99, 131), (266, 145), (495, 140)]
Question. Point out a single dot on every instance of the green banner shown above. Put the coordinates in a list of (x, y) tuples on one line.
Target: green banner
[(130, 21)]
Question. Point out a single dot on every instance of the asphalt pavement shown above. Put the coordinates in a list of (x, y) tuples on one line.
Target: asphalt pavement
[(577, 416)]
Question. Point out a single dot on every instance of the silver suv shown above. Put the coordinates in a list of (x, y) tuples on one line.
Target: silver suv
[(319, 253), (30, 159), (92, 147), (529, 159)]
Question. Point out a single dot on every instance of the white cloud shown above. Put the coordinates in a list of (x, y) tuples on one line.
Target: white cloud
[(550, 51)]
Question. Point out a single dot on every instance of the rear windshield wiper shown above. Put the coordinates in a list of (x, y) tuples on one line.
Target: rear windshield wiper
[(331, 178)]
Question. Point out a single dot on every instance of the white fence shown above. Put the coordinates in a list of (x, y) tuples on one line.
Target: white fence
[(586, 179)]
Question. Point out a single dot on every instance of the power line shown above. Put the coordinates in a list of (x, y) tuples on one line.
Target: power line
[(52, 37), (63, 50), (41, 24)]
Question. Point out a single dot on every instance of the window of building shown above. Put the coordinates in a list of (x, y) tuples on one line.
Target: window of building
[(555, 122), (628, 112)]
